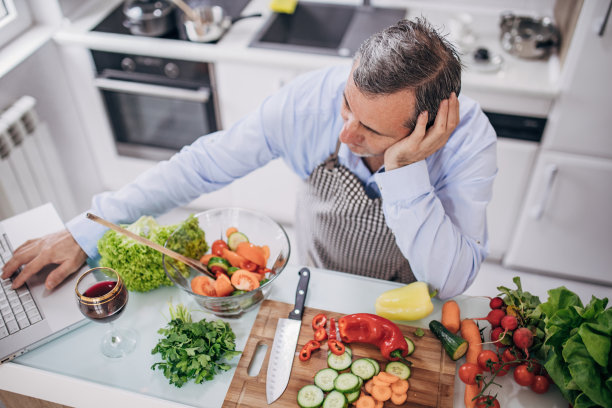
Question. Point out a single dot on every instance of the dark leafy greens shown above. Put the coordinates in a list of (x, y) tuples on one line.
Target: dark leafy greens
[(193, 350), (579, 340)]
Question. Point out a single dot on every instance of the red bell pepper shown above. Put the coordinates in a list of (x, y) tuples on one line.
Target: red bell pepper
[(308, 348), (320, 334), (376, 330), (336, 347), (332, 329), (319, 321)]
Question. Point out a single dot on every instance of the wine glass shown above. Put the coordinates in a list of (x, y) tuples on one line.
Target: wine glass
[(102, 297)]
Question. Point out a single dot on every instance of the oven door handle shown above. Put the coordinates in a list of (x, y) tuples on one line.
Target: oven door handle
[(201, 95)]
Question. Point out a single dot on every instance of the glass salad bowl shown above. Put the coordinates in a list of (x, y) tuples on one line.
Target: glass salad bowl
[(260, 230)]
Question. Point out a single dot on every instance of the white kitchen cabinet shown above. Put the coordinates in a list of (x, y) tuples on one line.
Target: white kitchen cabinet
[(580, 121), (515, 160), (566, 224)]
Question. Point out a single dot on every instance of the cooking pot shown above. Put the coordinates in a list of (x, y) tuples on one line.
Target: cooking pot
[(152, 18), (528, 37), (208, 23)]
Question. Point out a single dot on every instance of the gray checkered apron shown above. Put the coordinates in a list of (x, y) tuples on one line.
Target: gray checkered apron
[(340, 228)]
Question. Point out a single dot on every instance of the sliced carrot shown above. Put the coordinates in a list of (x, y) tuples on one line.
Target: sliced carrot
[(251, 252), (381, 392), (233, 258), (400, 387), (387, 377), (451, 316), (377, 381), (365, 401), (368, 386), (379, 404), (223, 286), (470, 332), (230, 231), (205, 258), (399, 399), (203, 285), (245, 280)]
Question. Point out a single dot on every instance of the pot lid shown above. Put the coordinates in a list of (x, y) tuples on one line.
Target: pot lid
[(146, 9)]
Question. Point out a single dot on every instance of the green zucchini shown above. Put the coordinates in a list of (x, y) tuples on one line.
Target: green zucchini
[(455, 346), (310, 396), (410, 345)]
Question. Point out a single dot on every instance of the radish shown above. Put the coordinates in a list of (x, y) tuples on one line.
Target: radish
[(496, 303), (523, 339), (496, 335), (494, 317)]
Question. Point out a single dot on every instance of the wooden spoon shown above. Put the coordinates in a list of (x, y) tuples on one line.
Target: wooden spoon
[(191, 13), (195, 264)]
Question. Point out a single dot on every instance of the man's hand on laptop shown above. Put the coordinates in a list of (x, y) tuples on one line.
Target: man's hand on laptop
[(59, 249)]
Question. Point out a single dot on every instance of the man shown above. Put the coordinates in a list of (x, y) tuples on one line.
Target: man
[(396, 186)]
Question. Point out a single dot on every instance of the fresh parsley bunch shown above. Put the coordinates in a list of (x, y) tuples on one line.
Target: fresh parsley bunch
[(193, 350)]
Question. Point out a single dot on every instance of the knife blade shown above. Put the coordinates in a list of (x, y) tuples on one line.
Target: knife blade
[(285, 341)]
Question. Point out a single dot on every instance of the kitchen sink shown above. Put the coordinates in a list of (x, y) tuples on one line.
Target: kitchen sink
[(324, 28)]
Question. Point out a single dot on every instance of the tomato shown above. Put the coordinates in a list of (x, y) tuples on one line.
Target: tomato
[(217, 247), (248, 265), (523, 376), (540, 384), (486, 401), (470, 373), (488, 360), (512, 354)]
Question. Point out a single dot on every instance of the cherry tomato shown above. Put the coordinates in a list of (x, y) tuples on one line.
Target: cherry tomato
[(470, 373), (217, 247), (488, 361), (540, 384), (523, 376), (511, 355), (217, 270), (486, 401)]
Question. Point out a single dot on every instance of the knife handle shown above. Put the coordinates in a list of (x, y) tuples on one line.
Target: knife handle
[(300, 294)]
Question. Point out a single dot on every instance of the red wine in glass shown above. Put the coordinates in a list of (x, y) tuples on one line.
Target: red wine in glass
[(102, 297)]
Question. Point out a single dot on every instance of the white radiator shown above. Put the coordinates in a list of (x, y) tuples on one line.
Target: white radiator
[(30, 167)]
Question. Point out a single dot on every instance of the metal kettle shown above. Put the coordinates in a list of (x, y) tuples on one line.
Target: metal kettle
[(152, 18), (528, 37)]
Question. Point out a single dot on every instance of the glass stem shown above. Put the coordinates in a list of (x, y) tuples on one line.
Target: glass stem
[(114, 337)]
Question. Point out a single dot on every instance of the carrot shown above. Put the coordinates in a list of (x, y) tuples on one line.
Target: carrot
[(230, 231), (471, 390), (251, 252), (203, 285), (368, 386), (365, 401), (400, 387), (470, 332), (205, 258), (387, 377), (381, 392), (377, 381), (245, 280), (223, 286), (233, 258), (379, 404), (399, 399), (451, 316), (266, 251)]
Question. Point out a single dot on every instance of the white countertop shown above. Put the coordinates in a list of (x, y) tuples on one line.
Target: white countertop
[(534, 82), (71, 371)]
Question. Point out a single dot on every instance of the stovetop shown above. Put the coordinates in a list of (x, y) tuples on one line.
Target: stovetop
[(113, 23)]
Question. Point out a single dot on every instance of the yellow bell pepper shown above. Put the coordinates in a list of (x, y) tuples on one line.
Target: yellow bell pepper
[(410, 302)]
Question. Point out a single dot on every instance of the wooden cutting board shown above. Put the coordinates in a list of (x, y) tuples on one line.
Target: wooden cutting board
[(431, 382)]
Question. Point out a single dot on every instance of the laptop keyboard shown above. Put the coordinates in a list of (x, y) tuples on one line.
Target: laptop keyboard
[(17, 308)]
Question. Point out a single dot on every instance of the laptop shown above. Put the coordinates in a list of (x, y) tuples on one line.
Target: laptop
[(32, 315)]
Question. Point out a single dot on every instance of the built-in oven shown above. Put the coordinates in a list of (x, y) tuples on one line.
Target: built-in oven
[(156, 105)]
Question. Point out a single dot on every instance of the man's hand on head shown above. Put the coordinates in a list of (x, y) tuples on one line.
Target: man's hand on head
[(423, 142)]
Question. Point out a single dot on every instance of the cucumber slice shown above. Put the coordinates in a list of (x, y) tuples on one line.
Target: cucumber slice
[(339, 362), (310, 396), (220, 262), (353, 396), (324, 379), (363, 368), (398, 369), (410, 345), (235, 239), (347, 382), (375, 364), (335, 399)]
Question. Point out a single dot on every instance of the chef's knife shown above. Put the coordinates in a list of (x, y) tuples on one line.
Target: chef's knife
[(285, 340)]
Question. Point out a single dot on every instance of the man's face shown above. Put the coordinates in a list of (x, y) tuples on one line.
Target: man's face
[(374, 123)]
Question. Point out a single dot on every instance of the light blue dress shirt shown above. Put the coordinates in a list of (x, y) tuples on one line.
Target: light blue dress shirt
[(436, 208)]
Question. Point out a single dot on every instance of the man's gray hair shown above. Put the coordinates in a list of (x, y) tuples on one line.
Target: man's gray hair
[(409, 55)]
